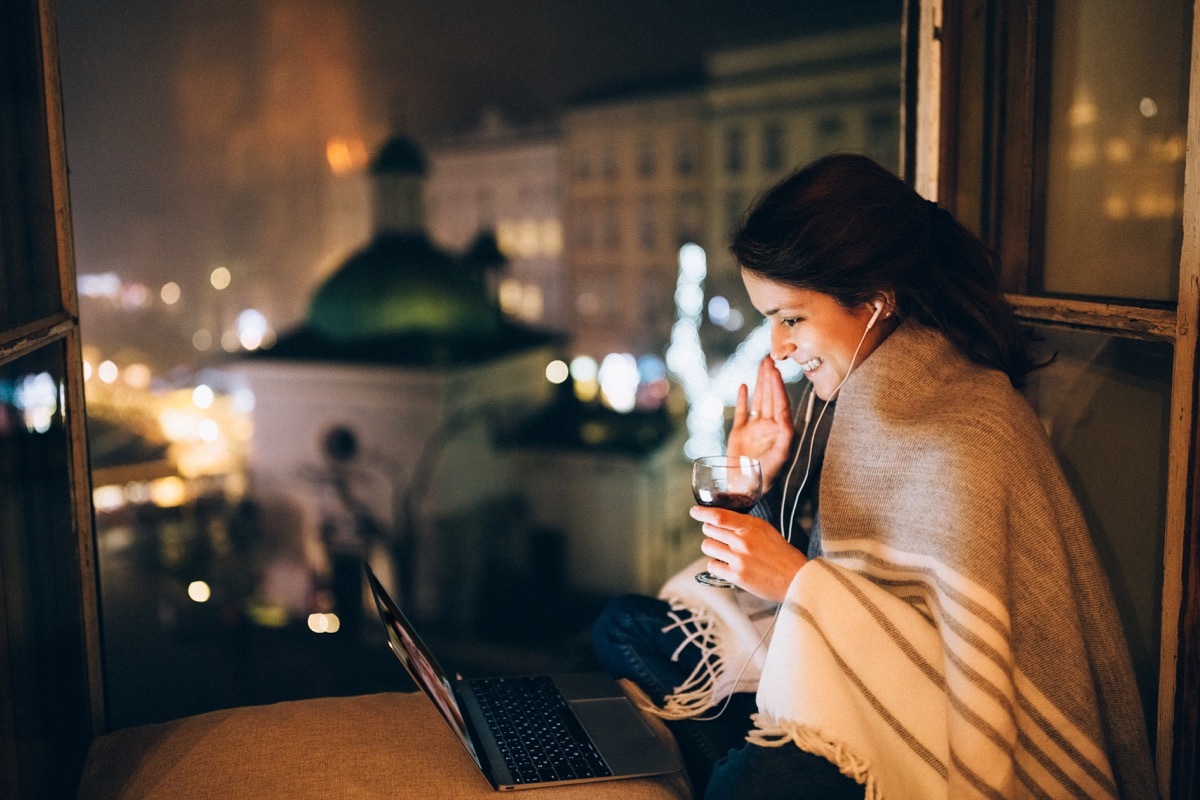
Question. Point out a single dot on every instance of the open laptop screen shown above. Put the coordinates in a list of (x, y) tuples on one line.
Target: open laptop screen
[(419, 662)]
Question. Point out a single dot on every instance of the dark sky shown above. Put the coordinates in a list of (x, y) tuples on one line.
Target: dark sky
[(533, 54), (156, 198), (443, 59)]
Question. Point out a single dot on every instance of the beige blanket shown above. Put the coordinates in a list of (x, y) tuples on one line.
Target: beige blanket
[(957, 639)]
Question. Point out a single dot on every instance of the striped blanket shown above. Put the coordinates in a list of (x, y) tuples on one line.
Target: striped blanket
[(957, 638)]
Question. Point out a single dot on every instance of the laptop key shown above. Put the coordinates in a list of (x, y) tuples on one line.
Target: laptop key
[(541, 739)]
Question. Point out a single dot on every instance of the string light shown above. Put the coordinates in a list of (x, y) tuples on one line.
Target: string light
[(709, 392)]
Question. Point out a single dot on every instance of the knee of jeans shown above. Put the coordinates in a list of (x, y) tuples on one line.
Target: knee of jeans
[(623, 620)]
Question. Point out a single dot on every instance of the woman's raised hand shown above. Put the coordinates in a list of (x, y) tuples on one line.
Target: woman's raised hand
[(762, 425)]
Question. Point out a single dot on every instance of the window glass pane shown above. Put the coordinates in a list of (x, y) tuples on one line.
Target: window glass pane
[(1118, 121), (1105, 403), (45, 647), (29, 284)]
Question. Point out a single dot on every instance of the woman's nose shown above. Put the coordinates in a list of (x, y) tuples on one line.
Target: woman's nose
[(781, 343)]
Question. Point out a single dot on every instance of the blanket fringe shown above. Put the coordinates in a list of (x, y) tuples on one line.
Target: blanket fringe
[(700, 691), (768, 732)]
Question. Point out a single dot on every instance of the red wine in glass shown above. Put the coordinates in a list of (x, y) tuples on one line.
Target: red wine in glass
[(734, 483)]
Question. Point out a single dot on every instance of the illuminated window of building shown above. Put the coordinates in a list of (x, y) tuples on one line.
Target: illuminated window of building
[(685, 154), (551, 238), (583, 165), (735, 150), (648, 223), (585, 226), (528, 244), (506, 237), (610, 162), (773, 147), (646, 157), (657, 302), (511, 294), (883, 132), (533, 304), (831, 134), (612, 225), (689, 213), (735, 208), (485, 203)]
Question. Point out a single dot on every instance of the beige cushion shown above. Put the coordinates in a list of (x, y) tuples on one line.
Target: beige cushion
[(391, 745)]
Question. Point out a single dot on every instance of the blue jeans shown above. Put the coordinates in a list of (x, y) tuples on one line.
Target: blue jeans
[(629, 643)]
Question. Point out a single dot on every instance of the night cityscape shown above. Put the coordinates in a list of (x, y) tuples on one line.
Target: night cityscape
[(302, 303), (358, 285)]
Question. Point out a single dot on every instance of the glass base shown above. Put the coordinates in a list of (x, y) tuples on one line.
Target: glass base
[(708, 579)]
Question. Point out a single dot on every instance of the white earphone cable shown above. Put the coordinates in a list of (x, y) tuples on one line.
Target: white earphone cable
[(783, 501)]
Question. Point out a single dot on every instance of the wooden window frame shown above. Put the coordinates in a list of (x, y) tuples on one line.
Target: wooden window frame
[(58, 328), (983, 167)]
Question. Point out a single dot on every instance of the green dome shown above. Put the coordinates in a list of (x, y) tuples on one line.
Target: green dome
[(402, 284)]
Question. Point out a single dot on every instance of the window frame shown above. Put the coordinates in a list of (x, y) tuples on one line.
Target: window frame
[(59, 328), (974, 140)]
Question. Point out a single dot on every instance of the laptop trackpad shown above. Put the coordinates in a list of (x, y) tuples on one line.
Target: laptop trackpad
[(627, 743)]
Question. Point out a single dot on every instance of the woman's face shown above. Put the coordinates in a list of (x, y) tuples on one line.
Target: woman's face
[(816, 331)]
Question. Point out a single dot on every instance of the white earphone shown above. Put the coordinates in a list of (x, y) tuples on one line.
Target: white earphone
[(875, 316)]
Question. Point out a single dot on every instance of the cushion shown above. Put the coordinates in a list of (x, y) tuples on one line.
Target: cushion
[(391, 745)]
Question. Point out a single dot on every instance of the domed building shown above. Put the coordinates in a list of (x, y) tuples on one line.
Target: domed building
[(446, 465), (401, 299)]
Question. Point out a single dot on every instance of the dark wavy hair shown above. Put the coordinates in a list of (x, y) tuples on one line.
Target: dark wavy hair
[(847, 227)]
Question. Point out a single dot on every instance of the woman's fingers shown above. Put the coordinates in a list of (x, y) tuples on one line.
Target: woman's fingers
[(741, 410), (782, 403), (764, 397)]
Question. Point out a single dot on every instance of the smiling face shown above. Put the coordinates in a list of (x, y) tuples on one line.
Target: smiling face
[(816, 331)]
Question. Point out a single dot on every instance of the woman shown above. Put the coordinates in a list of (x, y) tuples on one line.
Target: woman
[(943, 629)]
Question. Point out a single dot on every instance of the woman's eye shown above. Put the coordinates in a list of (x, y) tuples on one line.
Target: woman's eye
[(791, 322)]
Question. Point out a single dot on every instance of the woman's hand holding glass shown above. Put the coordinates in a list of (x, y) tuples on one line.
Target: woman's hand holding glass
[(762, 423), (748, 551)]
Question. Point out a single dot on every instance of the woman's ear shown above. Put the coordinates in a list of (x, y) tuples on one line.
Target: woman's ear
[(886, 301)]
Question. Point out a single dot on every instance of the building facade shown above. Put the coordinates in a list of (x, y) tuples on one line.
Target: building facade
[(504, 179), (644, 173)]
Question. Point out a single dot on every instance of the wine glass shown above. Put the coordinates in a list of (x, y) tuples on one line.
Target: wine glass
[(732, 482)]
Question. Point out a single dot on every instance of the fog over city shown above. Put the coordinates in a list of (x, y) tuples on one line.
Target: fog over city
[(198, 132)]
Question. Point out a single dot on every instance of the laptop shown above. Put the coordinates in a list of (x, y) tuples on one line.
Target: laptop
[(532, 730)]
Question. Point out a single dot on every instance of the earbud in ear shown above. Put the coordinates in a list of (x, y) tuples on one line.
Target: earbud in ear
[(875, 316)]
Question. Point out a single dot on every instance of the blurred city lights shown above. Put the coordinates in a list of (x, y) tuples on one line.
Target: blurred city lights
[(36, 396), (199, 591), (651, 368), (618, 378), (557, 371), (324, 623), (106, 284), (584, 371), (108, 498), (138, 376), (252, 328), (346, 154), (202, 396), (168, 492), (220, 278), (243, 400), (202, 340), (718, 310), (709, 394), (107, 371), (134, 295), (170, 293), (1148, 108), (208, 431)]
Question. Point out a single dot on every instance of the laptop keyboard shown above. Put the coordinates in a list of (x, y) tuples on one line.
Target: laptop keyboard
[(538, 735)]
